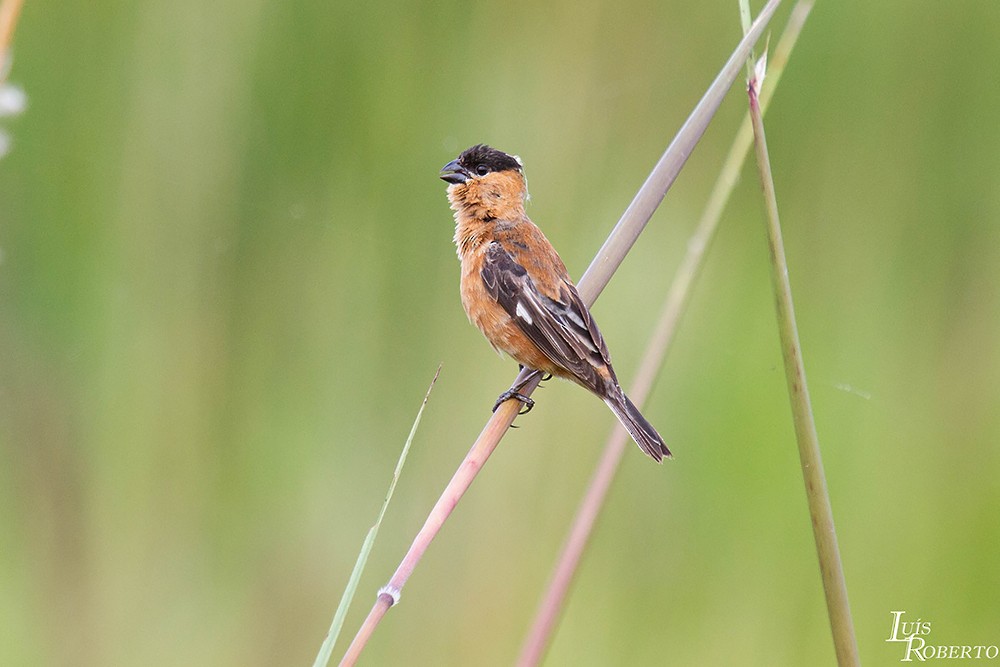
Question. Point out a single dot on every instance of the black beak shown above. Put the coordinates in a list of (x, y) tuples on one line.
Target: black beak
[(453, 172)]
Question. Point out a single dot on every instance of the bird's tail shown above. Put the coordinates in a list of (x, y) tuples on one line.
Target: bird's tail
[(641, 430)]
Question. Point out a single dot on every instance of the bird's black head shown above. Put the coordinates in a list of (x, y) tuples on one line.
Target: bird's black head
[(477, 162)]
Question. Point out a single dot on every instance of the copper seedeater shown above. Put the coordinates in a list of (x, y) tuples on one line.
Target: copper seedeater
[(516, 289)]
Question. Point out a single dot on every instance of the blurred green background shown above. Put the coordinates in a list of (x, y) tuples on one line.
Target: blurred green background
[(227, 278)]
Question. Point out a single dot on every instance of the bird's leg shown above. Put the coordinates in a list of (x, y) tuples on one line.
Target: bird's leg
[(545, 378), (515, 392)]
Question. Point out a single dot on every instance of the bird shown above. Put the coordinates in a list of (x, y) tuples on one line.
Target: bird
[(517, 291)]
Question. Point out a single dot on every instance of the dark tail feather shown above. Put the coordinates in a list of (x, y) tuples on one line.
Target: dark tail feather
[(641, 430)]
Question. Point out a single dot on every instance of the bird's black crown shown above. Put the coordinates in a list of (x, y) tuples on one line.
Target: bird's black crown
[(482, 155)]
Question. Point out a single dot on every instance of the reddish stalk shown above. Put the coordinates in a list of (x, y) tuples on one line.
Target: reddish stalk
[(549, 609), (389, 595), (597, 276)]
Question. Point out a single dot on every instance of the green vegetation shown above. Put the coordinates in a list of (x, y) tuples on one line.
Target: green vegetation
[(226, 273)]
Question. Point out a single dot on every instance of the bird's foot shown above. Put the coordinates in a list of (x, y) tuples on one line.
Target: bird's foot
[(509, 394)]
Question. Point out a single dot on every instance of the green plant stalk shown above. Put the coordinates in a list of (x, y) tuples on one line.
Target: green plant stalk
[(597, 276), (832, 571), (744, 6), (326, 649), (539, 636)]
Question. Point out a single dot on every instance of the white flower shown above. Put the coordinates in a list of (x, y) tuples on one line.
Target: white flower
[(13, 100)]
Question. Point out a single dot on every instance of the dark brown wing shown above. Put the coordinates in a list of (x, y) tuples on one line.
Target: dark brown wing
[(561, 327)]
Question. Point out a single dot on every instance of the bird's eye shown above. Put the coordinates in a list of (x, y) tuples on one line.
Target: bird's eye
[(482, 170)]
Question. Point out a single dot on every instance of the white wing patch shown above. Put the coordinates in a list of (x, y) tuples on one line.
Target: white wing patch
[(575, 317), (523, 313)]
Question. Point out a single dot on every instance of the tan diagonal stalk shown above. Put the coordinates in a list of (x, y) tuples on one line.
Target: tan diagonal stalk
[(591, 284), (550, 608)]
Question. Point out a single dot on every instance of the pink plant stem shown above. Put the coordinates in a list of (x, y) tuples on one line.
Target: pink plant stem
[(540, 635), (487, 441), (548, 611)]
